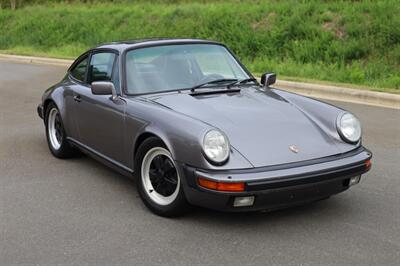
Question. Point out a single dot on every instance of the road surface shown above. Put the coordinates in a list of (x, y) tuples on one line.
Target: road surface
[(79, 212)]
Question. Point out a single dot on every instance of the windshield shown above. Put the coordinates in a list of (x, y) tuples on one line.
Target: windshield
[(174, 67)]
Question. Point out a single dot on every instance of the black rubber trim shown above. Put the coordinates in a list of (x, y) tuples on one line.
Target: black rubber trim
[(40, 111), (214, 91), (100, 155), (302, 179)]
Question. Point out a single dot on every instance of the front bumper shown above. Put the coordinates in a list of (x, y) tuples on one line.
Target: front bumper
[(280, 186)]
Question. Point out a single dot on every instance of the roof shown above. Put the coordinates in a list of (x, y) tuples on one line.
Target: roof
[(124, 45)]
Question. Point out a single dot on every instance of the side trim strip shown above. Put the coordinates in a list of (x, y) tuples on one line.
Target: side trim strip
[(102, 156)]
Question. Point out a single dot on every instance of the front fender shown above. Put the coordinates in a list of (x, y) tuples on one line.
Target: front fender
[(182, 135), (323, 114)]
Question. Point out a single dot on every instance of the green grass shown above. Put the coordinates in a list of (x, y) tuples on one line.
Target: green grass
[(355, 42)]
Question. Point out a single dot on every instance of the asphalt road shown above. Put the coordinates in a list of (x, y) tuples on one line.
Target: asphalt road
[(79, 212)]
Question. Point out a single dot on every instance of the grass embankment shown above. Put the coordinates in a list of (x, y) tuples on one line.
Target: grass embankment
[(350, 41)]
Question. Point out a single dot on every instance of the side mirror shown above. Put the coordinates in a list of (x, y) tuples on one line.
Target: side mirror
[(268, 79), (104, 88)]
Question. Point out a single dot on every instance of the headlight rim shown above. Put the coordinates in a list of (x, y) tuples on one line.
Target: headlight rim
[(339, 128), (216, 163)]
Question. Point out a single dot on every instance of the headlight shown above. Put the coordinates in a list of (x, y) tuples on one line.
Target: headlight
[(216, 146), (349, 127)]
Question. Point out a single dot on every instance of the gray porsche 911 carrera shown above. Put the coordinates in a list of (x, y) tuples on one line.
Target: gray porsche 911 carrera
[(190, 123)]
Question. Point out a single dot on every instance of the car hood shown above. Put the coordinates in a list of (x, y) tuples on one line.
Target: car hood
[(265, 128)]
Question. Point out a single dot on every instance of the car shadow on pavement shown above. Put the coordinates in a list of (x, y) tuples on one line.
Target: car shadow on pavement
[(308, 209)]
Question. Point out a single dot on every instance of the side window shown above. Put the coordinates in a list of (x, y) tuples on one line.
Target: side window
[(101, 67), (79, 70)]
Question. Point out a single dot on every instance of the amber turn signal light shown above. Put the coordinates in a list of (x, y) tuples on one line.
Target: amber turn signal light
[(221, 186), (368, 164)]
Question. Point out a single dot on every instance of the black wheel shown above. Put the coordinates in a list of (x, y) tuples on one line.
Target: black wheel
[(55, 133), (157, 179)]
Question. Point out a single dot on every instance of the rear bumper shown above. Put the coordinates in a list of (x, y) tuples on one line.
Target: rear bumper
[(278, 186), (40, 111)]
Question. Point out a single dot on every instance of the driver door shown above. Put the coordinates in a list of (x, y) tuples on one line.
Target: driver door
[(100, 118)]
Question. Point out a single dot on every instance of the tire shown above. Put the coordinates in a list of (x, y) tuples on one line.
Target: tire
[(162, 193), (55, 134)]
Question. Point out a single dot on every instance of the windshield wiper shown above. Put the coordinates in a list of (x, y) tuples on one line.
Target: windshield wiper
[(243, 81), (214, 82), (247, 80)]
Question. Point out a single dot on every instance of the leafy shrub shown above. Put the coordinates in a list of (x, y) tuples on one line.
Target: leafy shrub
[(345, 41)]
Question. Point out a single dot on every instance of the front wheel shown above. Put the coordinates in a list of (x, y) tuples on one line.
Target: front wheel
[(158, 181)]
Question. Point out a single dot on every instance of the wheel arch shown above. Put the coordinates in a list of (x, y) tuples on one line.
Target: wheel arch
[(46, 104), (143, 136), (54, 95)]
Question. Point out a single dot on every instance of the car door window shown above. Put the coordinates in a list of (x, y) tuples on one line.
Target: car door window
[(79, 71), (101, 67)]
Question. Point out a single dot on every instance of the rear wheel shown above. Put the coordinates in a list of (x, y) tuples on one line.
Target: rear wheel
[(55, 133), (158, 181)]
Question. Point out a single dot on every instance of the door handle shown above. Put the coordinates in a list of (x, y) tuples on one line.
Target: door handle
[(77, 98)]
